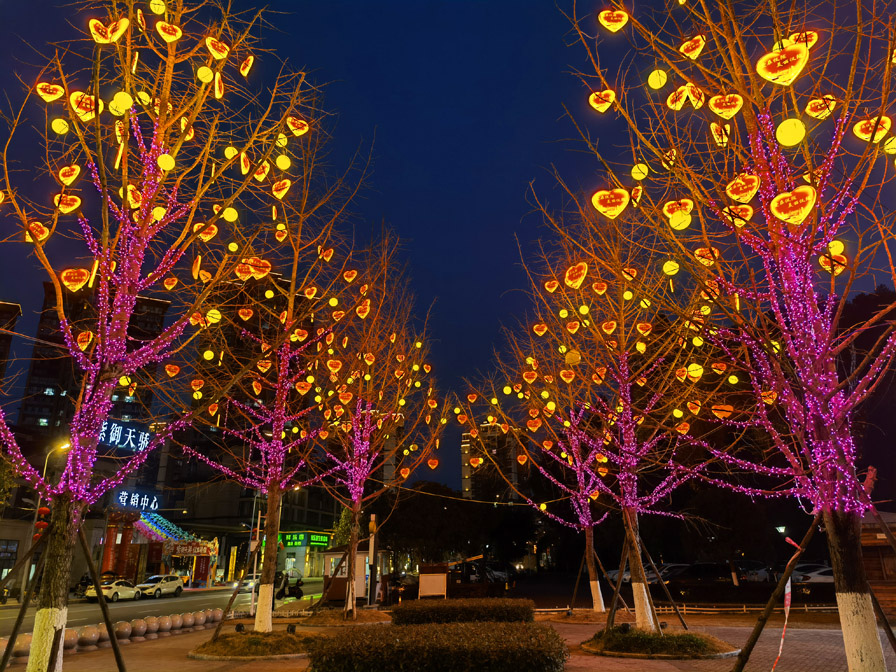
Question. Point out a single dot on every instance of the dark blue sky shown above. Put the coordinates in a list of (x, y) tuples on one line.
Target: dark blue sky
[(465, 99)]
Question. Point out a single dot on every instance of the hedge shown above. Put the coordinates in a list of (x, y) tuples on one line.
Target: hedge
[(452, 647), (683, 645), (463, 611)]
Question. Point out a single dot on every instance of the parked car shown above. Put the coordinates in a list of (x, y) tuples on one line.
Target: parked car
[(756, 570), (667, 571), (114, 590), (705, 580), (822, 575), (160, 585)]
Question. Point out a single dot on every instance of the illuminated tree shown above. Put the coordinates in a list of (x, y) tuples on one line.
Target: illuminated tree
[(606, 390), (758, 137), (276, 323), (160, 146), (373, 388)]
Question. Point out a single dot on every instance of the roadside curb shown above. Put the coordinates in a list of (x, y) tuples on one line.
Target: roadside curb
[(656, 656)]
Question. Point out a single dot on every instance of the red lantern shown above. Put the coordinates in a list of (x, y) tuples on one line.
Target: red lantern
[(43, 511)]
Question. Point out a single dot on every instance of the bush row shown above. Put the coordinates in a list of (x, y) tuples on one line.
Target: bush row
[(463, 611), (453, 647)]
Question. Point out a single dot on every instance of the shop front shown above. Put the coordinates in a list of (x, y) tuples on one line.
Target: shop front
[(303, 551)]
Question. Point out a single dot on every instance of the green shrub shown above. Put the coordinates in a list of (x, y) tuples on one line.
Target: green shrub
[(463, 611), (683, 645), (452, 647)]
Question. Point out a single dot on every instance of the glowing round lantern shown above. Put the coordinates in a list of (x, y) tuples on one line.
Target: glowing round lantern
[(166, 162), (790, 132), (640, 171), (657, 79)]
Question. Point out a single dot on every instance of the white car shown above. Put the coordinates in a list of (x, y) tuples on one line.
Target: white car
[(249, 582), (114, 590), (162, 584), (823, 575)]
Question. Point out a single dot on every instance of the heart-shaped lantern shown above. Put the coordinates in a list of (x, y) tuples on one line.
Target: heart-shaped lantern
[(49, 92), (475, 461), (873, 130), (74, 278), (821, 108), (102, 34), (68, 174), (693, 47), (216, 48), (349, 276), (610, 203), (246, 65), (297, 126), (613, 20), (551, 286), (783, 66), (363, 309), (743, 188), (575, 275), (794, 206), (726, 105), (172, 370), (36, 232), (540, 329), (601, 100), (169, 32), (280, 188)]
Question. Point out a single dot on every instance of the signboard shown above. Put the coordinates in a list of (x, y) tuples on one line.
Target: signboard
[(318, 539), (134, 499), (188, 548), (124, 436)]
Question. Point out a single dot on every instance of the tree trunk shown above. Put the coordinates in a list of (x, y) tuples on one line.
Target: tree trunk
[(645, 618), (263, 619), (52, 609), (861, 640), (593, 579), (351, 561)]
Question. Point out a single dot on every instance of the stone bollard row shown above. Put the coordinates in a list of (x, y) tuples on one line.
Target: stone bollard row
[(93, 637)]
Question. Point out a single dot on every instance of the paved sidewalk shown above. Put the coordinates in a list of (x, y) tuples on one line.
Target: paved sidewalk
[(805, 650)]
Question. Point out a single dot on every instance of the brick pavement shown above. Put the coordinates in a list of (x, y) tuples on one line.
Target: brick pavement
[(805, 650)]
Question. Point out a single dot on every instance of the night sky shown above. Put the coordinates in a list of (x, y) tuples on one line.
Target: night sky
[(465, 100)]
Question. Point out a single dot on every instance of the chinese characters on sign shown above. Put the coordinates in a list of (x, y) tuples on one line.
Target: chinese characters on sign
[(304, 539), (132, 499), (188, 548), (119, 435)]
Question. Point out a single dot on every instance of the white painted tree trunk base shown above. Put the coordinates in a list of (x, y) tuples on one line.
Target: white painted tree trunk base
[(48, 625), (861, 639), (263, 615), (644, 616), (596, 597)]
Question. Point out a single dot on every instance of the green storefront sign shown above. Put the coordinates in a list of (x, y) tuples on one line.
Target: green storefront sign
[(305, 539)]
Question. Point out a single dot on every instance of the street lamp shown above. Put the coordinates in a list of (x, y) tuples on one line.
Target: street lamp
[(27, 570)]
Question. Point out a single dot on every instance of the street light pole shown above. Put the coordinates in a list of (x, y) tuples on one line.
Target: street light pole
[(26, 570)]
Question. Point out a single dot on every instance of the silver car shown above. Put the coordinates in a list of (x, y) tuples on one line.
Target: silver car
[(162, 584)]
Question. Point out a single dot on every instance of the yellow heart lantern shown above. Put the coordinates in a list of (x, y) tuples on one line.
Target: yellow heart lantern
[(610, 203)]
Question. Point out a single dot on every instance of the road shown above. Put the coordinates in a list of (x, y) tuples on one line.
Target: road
[(81, 612)]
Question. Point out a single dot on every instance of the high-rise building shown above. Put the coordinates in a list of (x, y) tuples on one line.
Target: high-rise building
[(495, 472), (53, 376), (9, 314)]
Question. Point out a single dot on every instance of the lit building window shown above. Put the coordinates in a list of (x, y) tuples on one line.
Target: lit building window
[(43, 422), (50, 392)]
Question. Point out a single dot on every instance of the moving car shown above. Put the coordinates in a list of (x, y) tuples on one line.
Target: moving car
[(162, 584), (249, 582), (114, 590)]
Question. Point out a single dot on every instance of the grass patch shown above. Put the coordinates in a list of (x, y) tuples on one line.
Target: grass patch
[(437, 647), (463, 611), (681, 645), (258, 644), (335, 617)]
